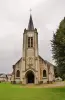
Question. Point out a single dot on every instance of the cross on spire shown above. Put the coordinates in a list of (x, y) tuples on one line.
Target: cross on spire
[(30, 10)]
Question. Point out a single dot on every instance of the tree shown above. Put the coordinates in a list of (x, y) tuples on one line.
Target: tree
[(58, 48)]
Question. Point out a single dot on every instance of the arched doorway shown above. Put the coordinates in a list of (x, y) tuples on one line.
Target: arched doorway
[(29, 77)]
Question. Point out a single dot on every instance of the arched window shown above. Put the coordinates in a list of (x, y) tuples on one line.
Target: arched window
[(18, 73), (30, 42), (44, 73)]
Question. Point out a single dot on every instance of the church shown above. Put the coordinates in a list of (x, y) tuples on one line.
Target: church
[(31, 67)]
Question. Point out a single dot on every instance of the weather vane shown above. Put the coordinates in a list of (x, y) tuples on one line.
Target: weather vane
[(30, 10)]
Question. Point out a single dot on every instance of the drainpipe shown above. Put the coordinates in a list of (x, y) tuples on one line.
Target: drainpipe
[(48, 74)]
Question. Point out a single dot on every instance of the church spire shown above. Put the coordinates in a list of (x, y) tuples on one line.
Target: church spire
[(30, 25)]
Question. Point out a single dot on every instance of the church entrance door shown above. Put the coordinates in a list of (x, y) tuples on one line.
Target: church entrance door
[(30, 77)]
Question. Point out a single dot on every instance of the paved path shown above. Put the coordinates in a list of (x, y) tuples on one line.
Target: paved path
[(55, 84)]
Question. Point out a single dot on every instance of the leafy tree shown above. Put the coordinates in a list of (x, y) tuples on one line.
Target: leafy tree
[(58, 48)]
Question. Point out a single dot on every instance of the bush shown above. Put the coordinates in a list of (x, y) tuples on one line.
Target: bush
[(63, 77)]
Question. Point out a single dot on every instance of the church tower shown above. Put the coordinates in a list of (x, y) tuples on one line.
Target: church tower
[(30, 53)]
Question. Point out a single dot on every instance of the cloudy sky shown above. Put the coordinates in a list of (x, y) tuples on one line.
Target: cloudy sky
[(14, 17)]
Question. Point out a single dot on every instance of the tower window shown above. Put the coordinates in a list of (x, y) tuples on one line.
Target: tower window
[(30, 41)]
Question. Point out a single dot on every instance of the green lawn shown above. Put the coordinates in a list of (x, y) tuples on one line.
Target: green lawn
[(16, 92)]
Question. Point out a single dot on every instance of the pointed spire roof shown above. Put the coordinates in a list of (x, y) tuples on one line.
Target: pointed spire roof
[(30, 25)]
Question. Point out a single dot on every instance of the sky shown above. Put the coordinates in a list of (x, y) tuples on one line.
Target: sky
[(14, 18)]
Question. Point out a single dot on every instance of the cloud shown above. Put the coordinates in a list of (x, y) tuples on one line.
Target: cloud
[(50, 27)]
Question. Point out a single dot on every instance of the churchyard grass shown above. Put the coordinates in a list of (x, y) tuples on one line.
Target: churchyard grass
[(18, 92)]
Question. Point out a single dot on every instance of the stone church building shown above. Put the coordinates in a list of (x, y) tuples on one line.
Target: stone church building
[(31, 67)]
